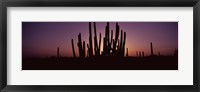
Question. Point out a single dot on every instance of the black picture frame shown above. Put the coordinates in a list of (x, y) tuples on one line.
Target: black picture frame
[(101, 3)]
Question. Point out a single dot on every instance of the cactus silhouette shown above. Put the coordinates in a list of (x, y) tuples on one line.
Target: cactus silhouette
[(74, 54), (142, 53), (99, 49), (121, 39), (126, 52), (83, 49), (111, 46), (111, 42), (116, 38), (96, 46), (58, 52), (81, 46), (90, 47), (151, 48)]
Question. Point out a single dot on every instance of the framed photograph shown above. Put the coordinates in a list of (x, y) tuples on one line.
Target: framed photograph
[(129, 45)]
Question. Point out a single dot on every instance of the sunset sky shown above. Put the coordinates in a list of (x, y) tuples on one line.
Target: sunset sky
[(41, 39)]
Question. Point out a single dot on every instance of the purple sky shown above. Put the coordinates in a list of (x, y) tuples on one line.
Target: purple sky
[(41, 39)]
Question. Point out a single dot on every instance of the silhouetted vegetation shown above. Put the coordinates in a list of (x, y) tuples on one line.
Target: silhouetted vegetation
[(111, 57)]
